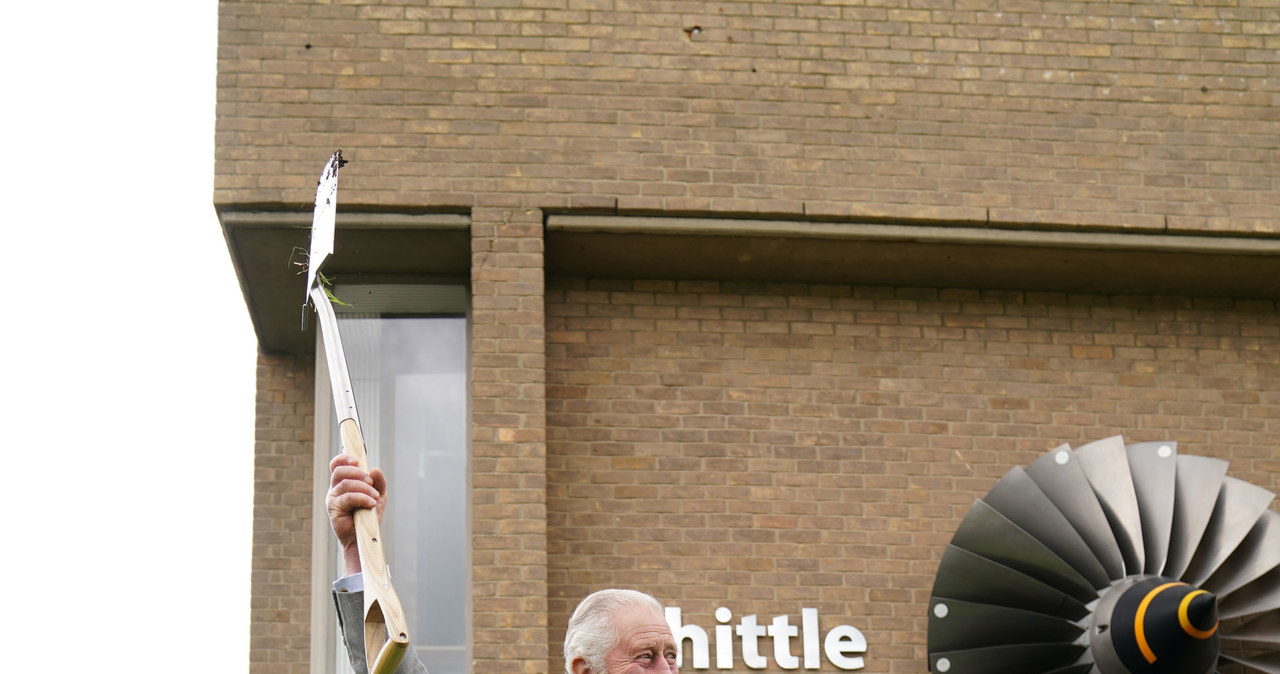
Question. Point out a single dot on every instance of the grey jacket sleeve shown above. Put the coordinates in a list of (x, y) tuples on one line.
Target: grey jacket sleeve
[(351, 625)]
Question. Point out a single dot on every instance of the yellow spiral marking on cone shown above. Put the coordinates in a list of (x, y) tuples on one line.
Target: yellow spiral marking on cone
[(1186, 622), (1138, 631)]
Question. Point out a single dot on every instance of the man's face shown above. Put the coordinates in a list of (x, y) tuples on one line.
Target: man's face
[(645, 645)]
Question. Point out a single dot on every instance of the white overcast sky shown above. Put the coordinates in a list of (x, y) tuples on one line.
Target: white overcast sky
[(128, 348)]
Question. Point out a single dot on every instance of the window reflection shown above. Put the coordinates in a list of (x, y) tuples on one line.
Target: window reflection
[(409, 376)]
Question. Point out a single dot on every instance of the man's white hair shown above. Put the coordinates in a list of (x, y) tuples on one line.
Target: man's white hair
[(592, 634)]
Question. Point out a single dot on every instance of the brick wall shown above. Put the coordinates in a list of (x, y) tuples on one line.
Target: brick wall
[(767, 447), (1090, 113), (508, 445), (280, 607)]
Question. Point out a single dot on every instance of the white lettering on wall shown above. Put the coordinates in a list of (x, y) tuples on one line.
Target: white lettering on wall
[(845, 639), (839, 644), (781, 630), (749, 631), (724, 638), (691, 632), (809, 620)]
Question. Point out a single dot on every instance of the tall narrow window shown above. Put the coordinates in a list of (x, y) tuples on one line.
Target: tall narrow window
[(407, 354)]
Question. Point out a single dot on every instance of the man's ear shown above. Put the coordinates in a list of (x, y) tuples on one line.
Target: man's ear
[(579, 665)]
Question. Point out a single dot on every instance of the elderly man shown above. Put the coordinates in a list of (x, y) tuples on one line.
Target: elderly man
[(619, 632), (611, 631)]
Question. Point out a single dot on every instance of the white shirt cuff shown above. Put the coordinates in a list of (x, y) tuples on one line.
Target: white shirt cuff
[(351, 583)]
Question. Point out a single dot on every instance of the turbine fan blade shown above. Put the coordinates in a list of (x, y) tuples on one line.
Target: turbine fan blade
[(1260, 596), (1083, 668), (1061, 478), (1257, 554), (1153, 466), (1019, 498), (968, 577), (1239, 506), (1015, 659), (1263, 629), (1106, 465), (986, 532), (1199, 479), (956, 625), (1269, 663)]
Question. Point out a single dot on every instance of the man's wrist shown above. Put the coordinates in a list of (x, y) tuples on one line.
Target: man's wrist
[(351, 558)]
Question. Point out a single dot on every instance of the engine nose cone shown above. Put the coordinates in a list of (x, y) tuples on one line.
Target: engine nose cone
[(1198, 614), (1156, 626)]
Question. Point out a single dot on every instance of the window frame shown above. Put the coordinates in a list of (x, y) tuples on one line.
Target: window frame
[(437, 301)]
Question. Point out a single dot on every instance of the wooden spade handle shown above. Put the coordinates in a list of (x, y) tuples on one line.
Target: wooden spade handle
[(384, 621)]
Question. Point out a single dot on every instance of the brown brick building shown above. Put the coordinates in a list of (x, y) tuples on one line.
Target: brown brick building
[(757, 297)]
